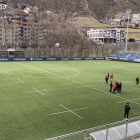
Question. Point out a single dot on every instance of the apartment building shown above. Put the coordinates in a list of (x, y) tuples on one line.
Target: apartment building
[(15, 31), (106, 36)]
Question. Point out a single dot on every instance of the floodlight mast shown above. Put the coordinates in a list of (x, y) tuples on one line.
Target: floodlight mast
[(127, 12)]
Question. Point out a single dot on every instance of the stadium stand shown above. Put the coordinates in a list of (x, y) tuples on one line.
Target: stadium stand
[(130, 57)]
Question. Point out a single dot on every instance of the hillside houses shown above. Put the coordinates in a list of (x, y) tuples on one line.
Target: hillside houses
[(121, 19)]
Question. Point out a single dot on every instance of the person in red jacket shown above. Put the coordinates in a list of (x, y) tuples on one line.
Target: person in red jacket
[(111, 76), (114, 87)]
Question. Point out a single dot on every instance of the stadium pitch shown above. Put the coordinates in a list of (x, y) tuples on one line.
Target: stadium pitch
[(40, 100)]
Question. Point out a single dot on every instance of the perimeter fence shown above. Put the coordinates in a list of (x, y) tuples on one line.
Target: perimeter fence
[(126, 130)]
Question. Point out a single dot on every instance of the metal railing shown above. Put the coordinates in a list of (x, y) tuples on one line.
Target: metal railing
[(98, 127)]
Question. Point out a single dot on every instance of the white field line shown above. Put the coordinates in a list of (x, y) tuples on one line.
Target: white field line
[(84, 63), (97, 75), (8, 73), (128, 100), (71, 111), (20, 80), (5, 71), (46, 90), (68, 111), (80, 84), (38, 91), (130, 81), (126, 82), (30, 92), (85, 86)]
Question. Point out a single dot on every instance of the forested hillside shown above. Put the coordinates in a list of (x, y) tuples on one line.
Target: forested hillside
[(100, 9)]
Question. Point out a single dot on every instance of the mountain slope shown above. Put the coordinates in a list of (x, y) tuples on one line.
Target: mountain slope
[(122, 6), (98, 8)]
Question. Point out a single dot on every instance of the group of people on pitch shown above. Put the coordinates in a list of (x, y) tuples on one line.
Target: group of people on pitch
[(107, 77), (116, 87)]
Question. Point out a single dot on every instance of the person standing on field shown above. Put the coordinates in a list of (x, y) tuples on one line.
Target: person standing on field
[(114, 88), (106, 79), (127, 108), (108, 76), (111, 76), (120, 87), (137, 81), (111, 86)]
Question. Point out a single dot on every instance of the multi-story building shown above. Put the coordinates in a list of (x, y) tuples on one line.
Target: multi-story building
[(106, 36), (19, 30)]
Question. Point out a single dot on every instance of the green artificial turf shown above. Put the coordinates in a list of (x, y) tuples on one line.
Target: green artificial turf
[(40, 100)]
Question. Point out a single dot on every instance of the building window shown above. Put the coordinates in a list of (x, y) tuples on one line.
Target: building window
[(24, 24)]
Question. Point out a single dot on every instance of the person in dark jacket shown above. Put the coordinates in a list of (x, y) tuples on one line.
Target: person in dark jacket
[(108, 76), (137, 81), (127, 108), (120, 85), (111, 86), (106, 79), (119, 88)]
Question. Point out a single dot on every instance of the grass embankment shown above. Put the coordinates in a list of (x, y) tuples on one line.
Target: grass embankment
[(93, 23)]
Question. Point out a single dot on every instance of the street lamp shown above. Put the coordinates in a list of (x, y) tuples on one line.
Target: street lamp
[(128, 12)]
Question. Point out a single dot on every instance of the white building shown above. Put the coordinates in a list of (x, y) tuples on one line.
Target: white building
[(135, 18), (106, 36), (3, 5)]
